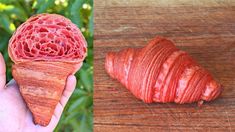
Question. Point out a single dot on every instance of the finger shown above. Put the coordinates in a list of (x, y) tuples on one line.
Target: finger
[(55, 117), (11, 83), (69, 88), (2, 72)]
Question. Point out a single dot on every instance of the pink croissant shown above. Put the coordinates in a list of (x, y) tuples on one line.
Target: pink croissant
[(160, 72), (46, 49)]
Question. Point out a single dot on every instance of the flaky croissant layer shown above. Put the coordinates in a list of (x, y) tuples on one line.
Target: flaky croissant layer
[(45, 49), (160, 72)]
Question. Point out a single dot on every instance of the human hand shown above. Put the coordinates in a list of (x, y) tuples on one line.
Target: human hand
[(15, 115)]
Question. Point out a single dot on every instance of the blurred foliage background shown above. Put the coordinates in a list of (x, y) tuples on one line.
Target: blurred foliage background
[(78, 114)]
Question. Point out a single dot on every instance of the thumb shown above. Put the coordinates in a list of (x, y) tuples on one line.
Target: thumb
[(2, 72)]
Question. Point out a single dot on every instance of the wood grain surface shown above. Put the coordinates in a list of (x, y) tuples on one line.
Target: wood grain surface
[(205, 29)]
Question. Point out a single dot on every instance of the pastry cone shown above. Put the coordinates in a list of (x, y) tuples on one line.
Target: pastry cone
[(46, 49), (160, 72)]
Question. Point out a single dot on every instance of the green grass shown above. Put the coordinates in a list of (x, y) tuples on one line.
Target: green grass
[(78, 114)]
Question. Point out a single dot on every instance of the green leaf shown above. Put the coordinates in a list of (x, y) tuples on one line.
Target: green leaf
[(5, 7), (91, 23), (7, 1), (71, 116), (5, 23), (43, 5), (18, 13), (89, 101), (90, 2), (4, 40), (86, 78), (14, 11), (78, 104), (85, 127), (75, 14), (89, 58), (75, 125), (79, 92)]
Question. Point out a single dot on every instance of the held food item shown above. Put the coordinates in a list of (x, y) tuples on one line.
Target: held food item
[(46, 49), (162, 73)]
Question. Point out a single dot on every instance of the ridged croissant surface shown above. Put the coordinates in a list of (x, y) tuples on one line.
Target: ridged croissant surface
[(160, 72), (46, 49)]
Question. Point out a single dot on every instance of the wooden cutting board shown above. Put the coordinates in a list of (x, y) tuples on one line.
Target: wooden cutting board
[(205, 29)]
